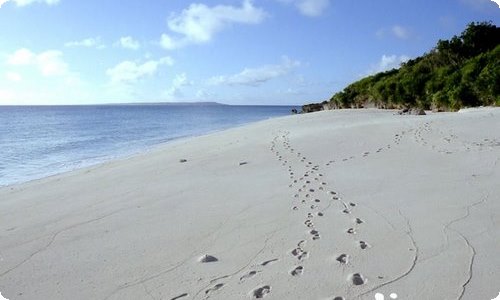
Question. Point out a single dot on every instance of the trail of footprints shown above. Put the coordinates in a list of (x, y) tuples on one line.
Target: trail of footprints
[(257, 293), (310, 187), (449, 142), (396, 141)]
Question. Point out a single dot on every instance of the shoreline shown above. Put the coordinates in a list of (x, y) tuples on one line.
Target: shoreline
[(343, 203), (130, 154)]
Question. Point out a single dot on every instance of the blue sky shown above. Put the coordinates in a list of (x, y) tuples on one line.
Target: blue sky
[(234, 52)]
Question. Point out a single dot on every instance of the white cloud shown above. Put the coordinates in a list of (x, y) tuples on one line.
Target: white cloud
[(397, 31), (309, 8), (129, 72), (312, 8), (42, 78), (28, 2), (205, 95), (13, 76), (256, 76), (482, 5), (22, 56), (129, 43), (199, 23), (175, 90), (400, 32), (88, 43), (49, 63), (168, 43), (388, 62)]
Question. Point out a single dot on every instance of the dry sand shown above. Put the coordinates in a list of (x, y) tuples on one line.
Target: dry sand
[(331, 204)]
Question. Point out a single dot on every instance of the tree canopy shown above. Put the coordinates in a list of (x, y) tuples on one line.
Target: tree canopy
[(461, 72)]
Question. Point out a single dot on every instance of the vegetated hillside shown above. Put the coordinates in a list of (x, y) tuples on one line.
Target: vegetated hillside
[(461, 72)]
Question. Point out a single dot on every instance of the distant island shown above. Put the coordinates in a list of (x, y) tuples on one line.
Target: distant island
[(461, 72), (169, 103)]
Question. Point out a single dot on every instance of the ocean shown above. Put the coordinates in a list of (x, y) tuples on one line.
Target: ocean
[(39, 141)]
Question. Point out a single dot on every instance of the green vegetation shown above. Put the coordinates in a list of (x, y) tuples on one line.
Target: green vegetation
[(461, 72)]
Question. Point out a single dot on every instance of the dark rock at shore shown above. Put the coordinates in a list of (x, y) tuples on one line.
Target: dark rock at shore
[(412, 111), (312, 107)]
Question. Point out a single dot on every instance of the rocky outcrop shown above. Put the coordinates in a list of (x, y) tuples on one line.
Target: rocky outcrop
[(312, 107), (412, 111)]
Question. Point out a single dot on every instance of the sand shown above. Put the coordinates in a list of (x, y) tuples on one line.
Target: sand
[(326, 205)]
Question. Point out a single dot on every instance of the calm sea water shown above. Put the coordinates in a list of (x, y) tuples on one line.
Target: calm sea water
[(38, 141)]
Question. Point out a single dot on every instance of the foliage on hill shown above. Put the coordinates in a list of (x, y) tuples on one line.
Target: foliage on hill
[(461, 72)]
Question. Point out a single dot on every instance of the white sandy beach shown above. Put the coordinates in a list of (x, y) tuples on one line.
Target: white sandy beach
[(332, 204)]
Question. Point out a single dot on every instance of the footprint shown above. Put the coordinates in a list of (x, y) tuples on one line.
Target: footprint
[(315, 234), (351, 231), (180, 296), (320, 214), (363, 245), (299, 253), (268, 262), (208, 258), (297, 271), (352, 204), (303, 256), (339, 298), (317, 200), (261, 292), (342, 259), (215, 288), (249, 275), (359, 221), (296, 251), (346, 211), (357, 279)]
